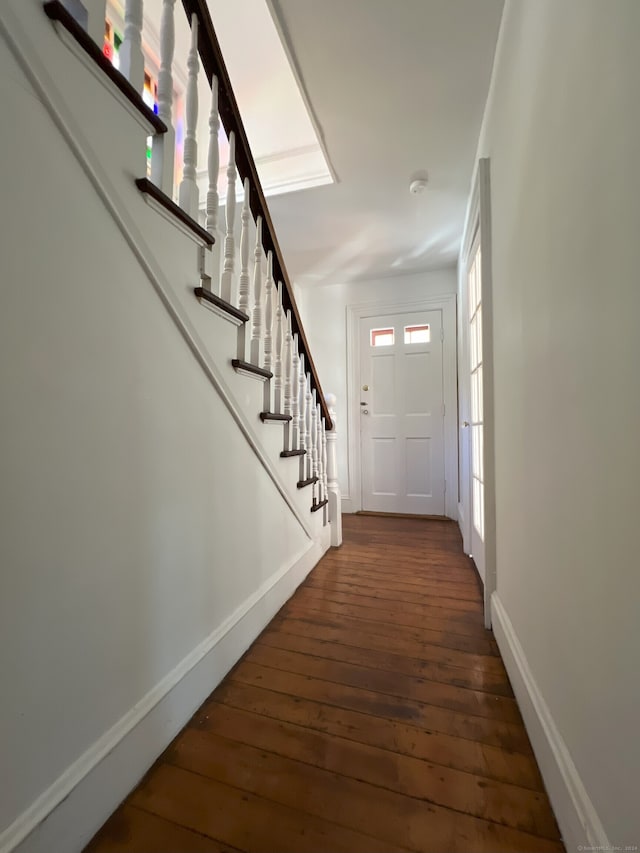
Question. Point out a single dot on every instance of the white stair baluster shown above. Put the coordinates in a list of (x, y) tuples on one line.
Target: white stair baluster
[(163, 144), (213, 162), (333, 487), (268, 329), (130, 53), (286, 375), (320, 472), (256, 325), (302, 407), (226, 283), (277, 367), (244, 282), (295, 396), (325, 495), (314, 444), (188, 195), (308, 425), (243, 286), (319, 449)]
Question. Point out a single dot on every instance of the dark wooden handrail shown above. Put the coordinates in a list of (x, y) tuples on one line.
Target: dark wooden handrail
[(213, 63)]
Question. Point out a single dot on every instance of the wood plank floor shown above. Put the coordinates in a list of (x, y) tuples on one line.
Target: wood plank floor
[(373, 714)]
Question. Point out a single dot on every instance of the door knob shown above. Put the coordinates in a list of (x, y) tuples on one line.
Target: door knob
[(365, 387), (465, 423)]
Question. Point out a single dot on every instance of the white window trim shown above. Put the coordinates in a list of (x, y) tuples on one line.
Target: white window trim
[(479, 216)]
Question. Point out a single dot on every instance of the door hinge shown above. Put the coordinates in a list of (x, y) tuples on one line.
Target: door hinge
[(443, 409), (441, 334), (445, 487)]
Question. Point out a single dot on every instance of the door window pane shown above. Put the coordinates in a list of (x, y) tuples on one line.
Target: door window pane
[(417, 334), (382, 337)]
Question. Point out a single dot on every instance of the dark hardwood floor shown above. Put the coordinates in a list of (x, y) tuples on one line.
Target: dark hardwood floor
[(373, 714)]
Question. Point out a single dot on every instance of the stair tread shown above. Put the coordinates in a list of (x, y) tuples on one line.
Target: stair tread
[(148, 188), (247, 367), (201, 293), (274, 416), (316, 506), (302, 483), (287, 453)]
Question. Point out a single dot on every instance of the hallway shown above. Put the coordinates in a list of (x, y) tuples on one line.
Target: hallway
[(373, 714)]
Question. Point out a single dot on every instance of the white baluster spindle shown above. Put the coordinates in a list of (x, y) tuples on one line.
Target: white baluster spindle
[(325, 495), (314, 444), (308, 442), (163, 144), (257, 320), (244, 282), (295, 395), (302, 407), (268, 329), (277, 366), (130, 53), (286, 376), (188, 195), (226, 282), (333, 487), (319, 442), (213, 161)]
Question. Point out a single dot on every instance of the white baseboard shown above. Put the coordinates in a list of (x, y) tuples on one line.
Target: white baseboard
[(66, 816), (579, 823)]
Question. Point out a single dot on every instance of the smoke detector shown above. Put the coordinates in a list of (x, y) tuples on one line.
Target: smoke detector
[(418, 185)]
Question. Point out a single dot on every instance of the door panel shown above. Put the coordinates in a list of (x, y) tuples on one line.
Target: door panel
[(401, 413)]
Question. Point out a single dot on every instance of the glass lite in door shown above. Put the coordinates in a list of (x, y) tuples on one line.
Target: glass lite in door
[(477, 420)]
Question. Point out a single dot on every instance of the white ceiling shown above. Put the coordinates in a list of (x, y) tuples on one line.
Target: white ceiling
[(395, 87)]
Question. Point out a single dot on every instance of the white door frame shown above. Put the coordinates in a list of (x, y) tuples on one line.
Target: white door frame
[(352, 502), (479, 215)]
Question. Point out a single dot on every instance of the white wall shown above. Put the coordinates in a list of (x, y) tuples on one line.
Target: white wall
[(135, 520), (562, 130), (323, 312)]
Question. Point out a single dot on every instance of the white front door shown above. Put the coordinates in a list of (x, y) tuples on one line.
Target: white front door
[(402, 413), (476, 408)]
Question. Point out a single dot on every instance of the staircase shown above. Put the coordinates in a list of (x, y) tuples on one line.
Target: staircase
[(246, 286), (172, 464)]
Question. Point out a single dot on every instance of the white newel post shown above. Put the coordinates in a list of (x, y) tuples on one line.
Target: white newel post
[(333, 487), (244, 282), (256, 324), (130, 54), (188, 194), (163, 144), (295, 395), (277, 367), (226, 282)]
